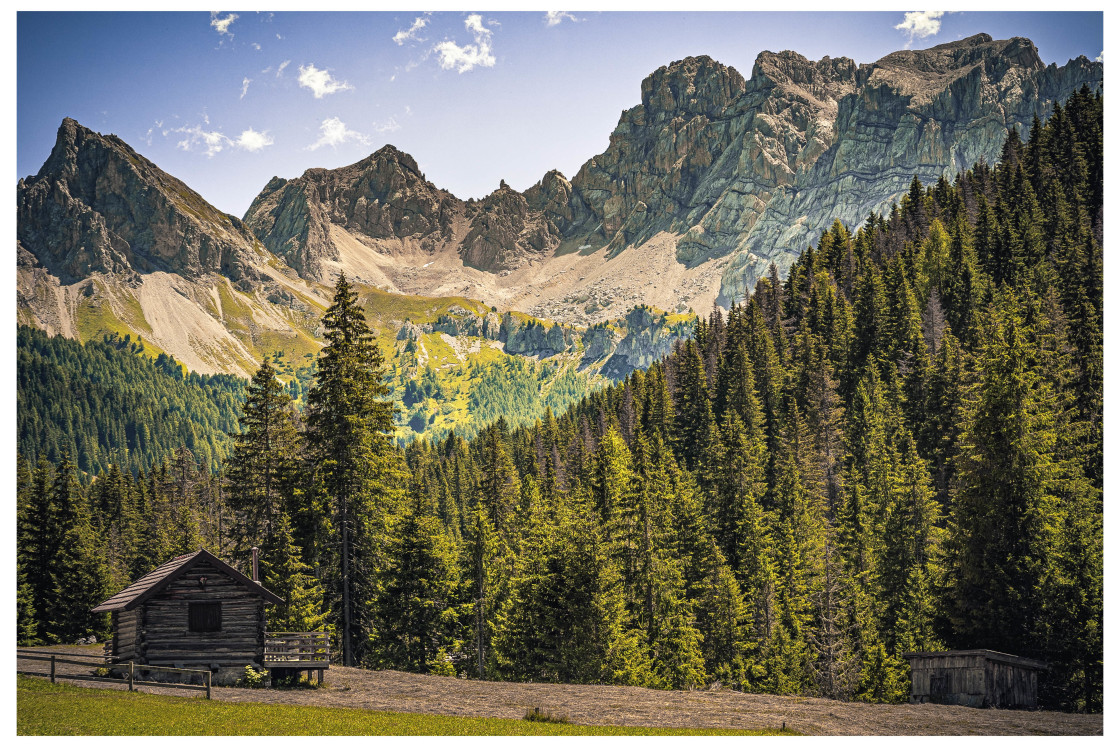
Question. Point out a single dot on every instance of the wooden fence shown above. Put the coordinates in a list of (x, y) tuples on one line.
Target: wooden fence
[(101, 661), (288, 653), (297, 650)]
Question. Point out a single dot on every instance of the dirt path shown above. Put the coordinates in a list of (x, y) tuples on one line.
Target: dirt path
[(633, 706)]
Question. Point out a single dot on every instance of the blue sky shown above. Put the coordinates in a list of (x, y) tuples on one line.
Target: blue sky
[(224, 101)]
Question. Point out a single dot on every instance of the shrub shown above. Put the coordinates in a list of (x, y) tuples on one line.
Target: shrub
[(545, 717), (252, 677)]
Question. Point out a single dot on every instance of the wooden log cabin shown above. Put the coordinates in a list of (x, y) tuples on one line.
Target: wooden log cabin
[(979, 678), (194, 612)]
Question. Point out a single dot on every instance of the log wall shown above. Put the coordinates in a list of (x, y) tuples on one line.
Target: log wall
[(126, 635), (165, 637)]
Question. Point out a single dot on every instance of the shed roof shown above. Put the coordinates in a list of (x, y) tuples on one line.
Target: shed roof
[(154, 581), (987, 653)]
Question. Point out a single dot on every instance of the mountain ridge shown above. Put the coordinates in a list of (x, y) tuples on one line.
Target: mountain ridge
[(706, 182)]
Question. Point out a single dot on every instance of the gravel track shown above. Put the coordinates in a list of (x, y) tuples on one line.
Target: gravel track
[(633, 706)]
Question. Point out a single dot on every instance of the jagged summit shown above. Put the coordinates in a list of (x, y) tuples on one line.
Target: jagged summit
[(97, 205), (694, 85)]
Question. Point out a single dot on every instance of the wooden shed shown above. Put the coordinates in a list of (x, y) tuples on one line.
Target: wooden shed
[(980, 678), (194, 611)]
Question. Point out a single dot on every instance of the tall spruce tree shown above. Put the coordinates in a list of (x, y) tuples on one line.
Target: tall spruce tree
[(349, 422), (260, 472)]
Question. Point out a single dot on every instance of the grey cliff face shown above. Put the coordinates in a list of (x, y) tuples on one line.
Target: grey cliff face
[(757, 170), (504, 230), (383, 196), (98, 206)]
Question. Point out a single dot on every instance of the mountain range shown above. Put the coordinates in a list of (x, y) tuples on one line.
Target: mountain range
[(706, 183)]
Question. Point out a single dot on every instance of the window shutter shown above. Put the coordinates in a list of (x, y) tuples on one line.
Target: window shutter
[(204, 617)]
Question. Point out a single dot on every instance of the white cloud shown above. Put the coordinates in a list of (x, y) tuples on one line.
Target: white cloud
[(556, 17), (280, 70), (256, 46), (320, 81), (212, 142), (413, 32), (252, 141), (470, 56), (921, 23), (245, 86), (334, 132), (196, 138), (1100, 57), (474, 23), (222, 24), (389, 126)]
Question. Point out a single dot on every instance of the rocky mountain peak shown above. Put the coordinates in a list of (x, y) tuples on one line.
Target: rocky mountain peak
[(390, 154), (694, 85), (789, 68), (97, 205)]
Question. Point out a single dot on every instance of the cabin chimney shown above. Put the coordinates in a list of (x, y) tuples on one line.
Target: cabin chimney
[(256, 577)]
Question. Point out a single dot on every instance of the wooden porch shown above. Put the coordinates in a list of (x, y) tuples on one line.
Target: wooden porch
[(285, 653)]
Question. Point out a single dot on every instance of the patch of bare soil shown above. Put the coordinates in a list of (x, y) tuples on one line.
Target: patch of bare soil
[(634, 706)]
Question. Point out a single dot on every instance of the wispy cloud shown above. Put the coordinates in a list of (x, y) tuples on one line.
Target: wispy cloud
[(212, 142), (256, 46), (921, 23), (252, 141), (556, 17), (390, 125), (334, 132), (319, 81), (468, 57), (245, 86), (280, 70), (222, 24), (1100, 57), (412, 33)]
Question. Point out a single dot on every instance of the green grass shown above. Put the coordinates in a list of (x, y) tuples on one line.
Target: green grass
[(46, 709)]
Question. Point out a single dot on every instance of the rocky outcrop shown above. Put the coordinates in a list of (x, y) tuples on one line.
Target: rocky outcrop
[(97, 205), (504, 230), (383, 196), (650, 336)]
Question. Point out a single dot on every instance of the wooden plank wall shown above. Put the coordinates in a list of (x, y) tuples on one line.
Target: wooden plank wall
[(168, 641), (126, 635), (973, 680)]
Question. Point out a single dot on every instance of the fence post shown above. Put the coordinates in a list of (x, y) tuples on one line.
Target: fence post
[(52, 669), (130, 665), (208, 686)]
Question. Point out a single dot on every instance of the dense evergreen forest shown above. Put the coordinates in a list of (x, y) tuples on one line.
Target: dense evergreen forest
[(101, 403), (898, 448)]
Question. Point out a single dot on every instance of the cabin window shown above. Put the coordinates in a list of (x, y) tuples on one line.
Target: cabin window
[(204, 617)]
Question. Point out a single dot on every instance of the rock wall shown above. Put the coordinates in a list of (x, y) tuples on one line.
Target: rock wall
[(96, 205)]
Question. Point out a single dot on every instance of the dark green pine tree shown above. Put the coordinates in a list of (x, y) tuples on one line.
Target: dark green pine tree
[(261, 471), (416, 618), (38, 542), (286, 575), (27, 626), (1004, 510), (349, 423), (79, 571)]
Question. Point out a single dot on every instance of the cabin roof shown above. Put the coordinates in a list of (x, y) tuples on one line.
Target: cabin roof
[(155, 581), (1020, 661)]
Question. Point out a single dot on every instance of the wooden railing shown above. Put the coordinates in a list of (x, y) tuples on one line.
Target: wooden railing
[(133, 674), (297, 650)]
